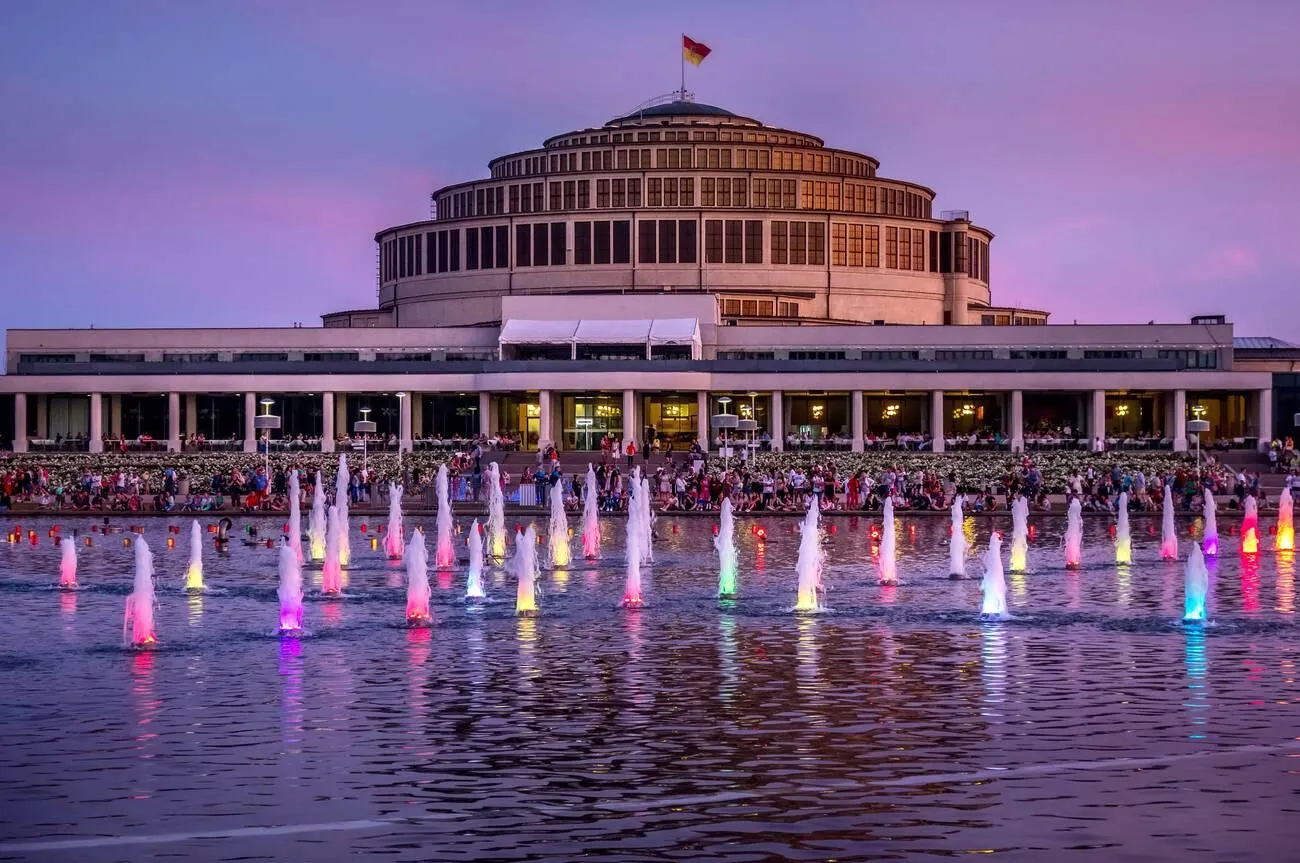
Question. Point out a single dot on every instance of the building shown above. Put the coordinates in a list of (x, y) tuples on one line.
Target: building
[(678, 263)]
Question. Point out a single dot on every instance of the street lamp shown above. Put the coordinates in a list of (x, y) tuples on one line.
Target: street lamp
[(724, 422), (364, 427), (266, 421), (1198, 427)]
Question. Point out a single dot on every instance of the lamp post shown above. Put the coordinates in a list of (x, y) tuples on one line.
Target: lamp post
[(724, 422), (266, 421), (364, 427), (1198, 427)]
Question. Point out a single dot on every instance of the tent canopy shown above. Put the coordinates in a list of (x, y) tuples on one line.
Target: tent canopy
[(612, 332), (659, 331), (525, 332)]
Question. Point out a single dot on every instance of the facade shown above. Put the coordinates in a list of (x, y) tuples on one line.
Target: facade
[(637, 281)]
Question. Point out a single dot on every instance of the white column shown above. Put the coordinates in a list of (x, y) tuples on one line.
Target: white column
[(1017, 421), (43, 417), (191, 414), (855, 419), (544, 420), (630, 426), (250, 433), (1265, 419), (702, 417), (936, 421), (404, 423), (1097, 421), (173, 422), (1179, 430), (777, 414), (485, 414), (327, 433), (96, 422), (20, 422)]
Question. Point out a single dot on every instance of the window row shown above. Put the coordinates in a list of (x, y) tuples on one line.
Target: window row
[(622, 158), (733, 307)]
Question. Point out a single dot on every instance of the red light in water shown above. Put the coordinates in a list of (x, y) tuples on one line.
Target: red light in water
[(1112, 530), (171, 543), (715, 530), (675, 530), (286, 527), (89, 542), (363, 528), (382, 528), (832, 529)]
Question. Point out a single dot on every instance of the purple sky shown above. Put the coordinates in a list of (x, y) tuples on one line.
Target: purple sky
[(228, 163)]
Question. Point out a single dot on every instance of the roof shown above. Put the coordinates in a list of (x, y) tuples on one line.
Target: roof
[(1259, 343), (660, 331), (678, 108)]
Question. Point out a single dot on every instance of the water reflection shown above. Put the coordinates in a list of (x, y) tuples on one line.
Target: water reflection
[(1072, 589), (147, 703), (806, 651), (993, 669), (527, 666), (1123, 585), (291, 708), (727, 659), (1197, 703), (68, 607), (194, 604), (1286, 582), (1250, 583), (560, 578)]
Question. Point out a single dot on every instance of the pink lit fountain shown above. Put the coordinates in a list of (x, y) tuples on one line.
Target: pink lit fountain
[(290, 591), (393, 543), (68, 564), (137, 623)]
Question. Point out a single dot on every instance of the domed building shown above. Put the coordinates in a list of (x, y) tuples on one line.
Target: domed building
[(678, 198)]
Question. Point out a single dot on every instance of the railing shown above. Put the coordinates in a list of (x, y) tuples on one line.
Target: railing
[(954, 215)]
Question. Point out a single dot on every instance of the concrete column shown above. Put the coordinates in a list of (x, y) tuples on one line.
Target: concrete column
[(115, 417), (327, 431), (485, 419), (777, 414), (42, 417), (191, 414), (173, 422), (702, 420), (96, 422), (1265, 408), (544, 419), (1017, 421), (20, 422), (404, 423), (936, 421), (630, 426), (250, 433), (1097, 421), (1179, 431), (417, 415), (855, 419)]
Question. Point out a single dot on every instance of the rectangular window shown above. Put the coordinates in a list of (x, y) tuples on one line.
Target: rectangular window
[(687, 197), (602, 194), (586, 160), (934, 251), (806, 195), (600, 242), (486, 248), (581, 243), (443, 259), (798, 242), (540, 234), (539, 192), (739, 194), (620, 193), (713, 241), (570, 194), (733, 236), (891, 248), (622, 160), (984, 265), (431, 249), (687, 242), (788, 190), (656, 192), (503, 245), (471, 249), (559, 244), (833, 196), (945, 252), (839, 244), (753, 241), (871, 237), (670, 191), (523, 245), (817, 243), (584, 194), (453, 243), (918, 249), (724, 191), (661, 157), (780, 243), (480, 207), (959, 247), (904, 249), (667, 241), (401, 257), (623, 242), (634, 192), (855, 245), (500, 193), (645, 241), (556, 201)]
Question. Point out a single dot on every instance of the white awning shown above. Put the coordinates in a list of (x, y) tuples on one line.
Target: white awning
[(674, 331), (518, 331), (634, 332)]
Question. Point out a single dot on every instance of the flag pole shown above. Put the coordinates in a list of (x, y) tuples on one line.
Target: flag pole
[(682, 92)]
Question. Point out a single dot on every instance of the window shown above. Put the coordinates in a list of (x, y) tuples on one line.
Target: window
[(600, 242), (745, 355), (584, 194), (620, 193), (556, 189), (246, 357), (559, 244), (817, 355), (780, 243), (486, 247), (645, 240), (1111, 355), (539, 189), (471, 249), (963, 355), (667, 241), (891, 247), (622, 242), (798, 242), (687, 242), (959, 244), (582, 242), (787, 193), (540, 234), (787, 310), (570, 194), (713, 242), (817, 243), (69, 358), (855, 246), (523, 245), (503, 245), (753, 241), (634, 192), (904, 249), (839, 244), (934, 251), (323, 356), (806, 198), (1035, 355), (443, 260), (733, 236), (687, 198), (602, 194), (707, 196), (656, 192), (670, 191), (891, 355)]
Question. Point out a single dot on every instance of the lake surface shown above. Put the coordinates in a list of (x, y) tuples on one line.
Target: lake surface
[(896, 726)]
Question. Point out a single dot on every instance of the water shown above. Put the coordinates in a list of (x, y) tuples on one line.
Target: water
[(645, 517), (524, 568), (887, 572), (1210, 533), (725, 544), (558, 549), (957, 544), (590, 516), (994, 585), (632, 550), (194, 570), (289, 591), (335, 537), (474, 575), (809, 565), (1250, 526), (1123, 536), (417, 582), (445, 551), (1285, 538), (394, 542), (68, 562), (295, 515), (138, 621), (1196, 585), (1019, 534), (496, 526), (316, 523), (341, 482), (1074, 534), (693, 730), (1168, 533)]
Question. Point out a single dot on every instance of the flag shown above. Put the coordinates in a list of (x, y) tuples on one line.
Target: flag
[(693, 51)]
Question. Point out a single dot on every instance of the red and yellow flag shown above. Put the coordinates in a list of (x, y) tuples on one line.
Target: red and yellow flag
[(693, 51)]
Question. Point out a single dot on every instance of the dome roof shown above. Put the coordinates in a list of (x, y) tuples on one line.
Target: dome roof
[(678, 108)]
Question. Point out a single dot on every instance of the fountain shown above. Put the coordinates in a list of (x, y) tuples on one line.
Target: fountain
[(725, 543), (341, 501), (1210, 537), (474, 578), (1123, 537), (316, 524), (1019, 534), (888, 569), (957, 545), (295, 515), (137, 623), (290, 591), (1074, 535), (558, 534), (332, 572), (1196, 586), (394, 541), (496, 526), (194, 574), (1168, 536), (1250, 526), (994, 584), (809, 566), (417, 582), (444, 553), (1285, 540), (68, 564), (590, 516), (646, 521), (524, 565), (635, 536)]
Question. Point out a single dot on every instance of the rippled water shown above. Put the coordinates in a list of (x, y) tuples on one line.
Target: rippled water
[(897, 726)]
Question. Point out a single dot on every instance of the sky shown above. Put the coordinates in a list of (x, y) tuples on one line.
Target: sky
[(228, 163)]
